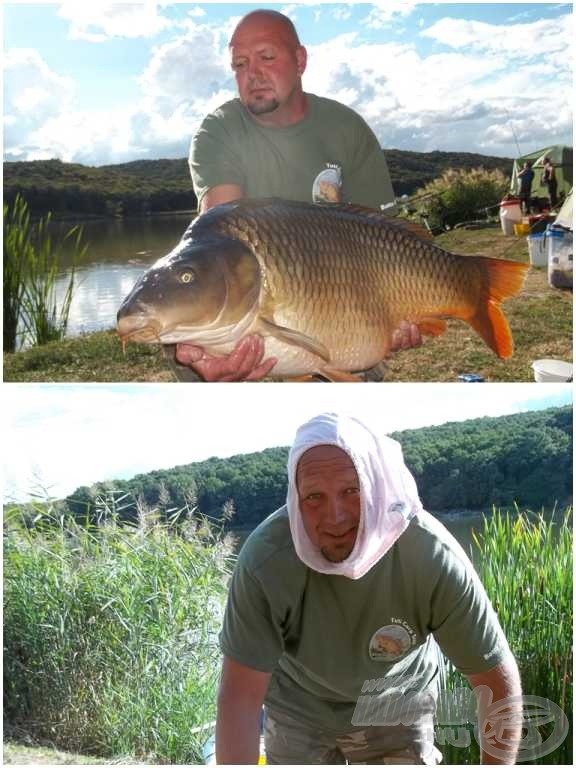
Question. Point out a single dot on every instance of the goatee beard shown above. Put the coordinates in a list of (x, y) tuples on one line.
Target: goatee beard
[(334, 558), (263, 107)]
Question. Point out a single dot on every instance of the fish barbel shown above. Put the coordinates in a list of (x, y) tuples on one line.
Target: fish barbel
[(325, 285)]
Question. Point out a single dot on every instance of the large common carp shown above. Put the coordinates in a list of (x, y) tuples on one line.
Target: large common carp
[(325, 285)]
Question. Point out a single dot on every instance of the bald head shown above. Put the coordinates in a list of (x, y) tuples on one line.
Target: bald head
[(268, 62), (267, 20)]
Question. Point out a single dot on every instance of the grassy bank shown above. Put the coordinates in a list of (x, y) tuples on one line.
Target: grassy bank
[(110, 636), (90, 357), (15, 753), (540, 318)]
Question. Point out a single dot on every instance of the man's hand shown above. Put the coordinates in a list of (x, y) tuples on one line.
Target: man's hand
[(244, 363), (499, 697), (406, 336), (240, 698)]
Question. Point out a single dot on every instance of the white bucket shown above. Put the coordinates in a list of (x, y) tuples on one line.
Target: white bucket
[(510, 214), (552, 370), (538, 249)]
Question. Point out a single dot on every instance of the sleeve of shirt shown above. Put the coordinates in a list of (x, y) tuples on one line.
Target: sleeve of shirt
[(212, 159), (463, 620), (249, 633), (368, 180)]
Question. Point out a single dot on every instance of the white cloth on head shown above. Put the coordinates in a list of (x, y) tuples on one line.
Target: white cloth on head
[(388, 494)]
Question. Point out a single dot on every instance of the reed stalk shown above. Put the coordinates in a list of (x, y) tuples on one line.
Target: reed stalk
[(110, 634), (33, 312), (525, 563)]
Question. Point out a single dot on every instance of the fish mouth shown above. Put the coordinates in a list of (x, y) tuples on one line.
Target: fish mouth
[(144, 331)]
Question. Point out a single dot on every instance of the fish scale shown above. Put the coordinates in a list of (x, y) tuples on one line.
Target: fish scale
[(326, 286)]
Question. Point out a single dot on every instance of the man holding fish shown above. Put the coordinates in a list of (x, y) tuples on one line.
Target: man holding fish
[(288, 134), (287, 286), (335, 608)]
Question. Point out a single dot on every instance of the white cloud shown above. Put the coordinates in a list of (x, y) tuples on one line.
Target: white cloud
[(33, 94), (88, 137), (196, 12), (456, 100), (184, 80), (96, 22), (192, 67), (520, 42), (385, 12)]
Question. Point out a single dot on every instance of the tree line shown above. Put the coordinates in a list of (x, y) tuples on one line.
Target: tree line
[(146, 187), (523, 459)]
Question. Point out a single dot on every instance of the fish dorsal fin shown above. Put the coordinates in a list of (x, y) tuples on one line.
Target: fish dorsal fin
[(295, 338), (395, 221), (414, 227)]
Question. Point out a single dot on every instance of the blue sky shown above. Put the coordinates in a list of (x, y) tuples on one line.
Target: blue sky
[(101, 83), (58, 437)]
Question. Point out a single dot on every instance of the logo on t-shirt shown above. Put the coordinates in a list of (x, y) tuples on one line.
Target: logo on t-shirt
[(391, 642), (327, 187)]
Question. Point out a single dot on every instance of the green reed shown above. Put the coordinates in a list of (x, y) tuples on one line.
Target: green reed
[(110, 633), (525, 563), (32, 264)]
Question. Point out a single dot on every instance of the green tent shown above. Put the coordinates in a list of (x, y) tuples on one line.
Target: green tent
[(564, 218), (561, 157)]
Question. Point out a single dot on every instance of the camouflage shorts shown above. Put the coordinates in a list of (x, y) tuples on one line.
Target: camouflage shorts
[(289, 741)]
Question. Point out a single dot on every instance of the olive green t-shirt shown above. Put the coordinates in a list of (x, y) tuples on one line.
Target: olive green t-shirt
[(329, 156), (329, 639)]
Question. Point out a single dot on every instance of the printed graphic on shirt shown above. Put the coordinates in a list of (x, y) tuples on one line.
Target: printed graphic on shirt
[(327, 187), (391, 642)]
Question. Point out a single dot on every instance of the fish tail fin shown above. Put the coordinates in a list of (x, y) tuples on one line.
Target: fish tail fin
[(503, 279)]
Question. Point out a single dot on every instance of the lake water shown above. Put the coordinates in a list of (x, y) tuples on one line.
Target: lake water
[(119, 251)]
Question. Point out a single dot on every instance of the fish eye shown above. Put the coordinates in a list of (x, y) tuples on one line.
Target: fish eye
[(187, 277)]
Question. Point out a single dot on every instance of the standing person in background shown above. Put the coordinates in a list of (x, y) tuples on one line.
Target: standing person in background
[(276, 140), (526, 176), (549, 180)]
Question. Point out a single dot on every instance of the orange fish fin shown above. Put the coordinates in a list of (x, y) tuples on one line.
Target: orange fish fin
[(503, 279), (431, 326), (305, 378), (490, 322), (341, 376)]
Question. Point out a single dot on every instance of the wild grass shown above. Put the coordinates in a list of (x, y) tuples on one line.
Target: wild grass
[(525, 563), (33, 312), (110, 633), (461, 195)]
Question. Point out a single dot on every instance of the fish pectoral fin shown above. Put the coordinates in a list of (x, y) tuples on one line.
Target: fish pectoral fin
[(338, 376), (431, 326), (295, 338)]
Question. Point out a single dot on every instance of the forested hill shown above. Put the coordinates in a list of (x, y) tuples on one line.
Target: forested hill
[(157, 186), (524, 458)]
